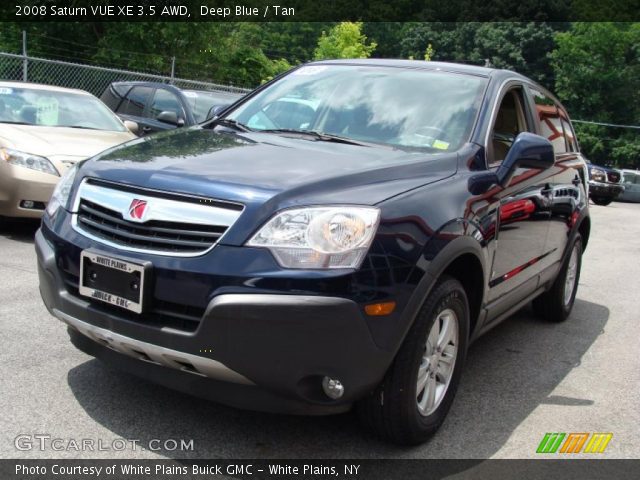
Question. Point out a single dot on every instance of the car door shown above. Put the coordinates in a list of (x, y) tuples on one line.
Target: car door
[(568, 181), (522, 206), (134, 107)]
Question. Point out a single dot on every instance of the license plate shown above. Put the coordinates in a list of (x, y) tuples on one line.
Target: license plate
[(112, 280)]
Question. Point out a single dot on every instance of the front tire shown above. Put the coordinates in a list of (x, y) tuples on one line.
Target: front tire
[(555, 305), (603, 201), (418, 389)]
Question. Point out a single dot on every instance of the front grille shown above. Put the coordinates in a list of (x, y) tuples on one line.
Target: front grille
[(160, 236), (613, 177)]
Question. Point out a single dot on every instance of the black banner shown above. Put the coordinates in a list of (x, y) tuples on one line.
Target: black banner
[(318, 11), (560, 469)]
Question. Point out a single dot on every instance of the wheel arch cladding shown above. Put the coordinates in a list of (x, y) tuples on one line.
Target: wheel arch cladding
[(467, 269), (585, 229)]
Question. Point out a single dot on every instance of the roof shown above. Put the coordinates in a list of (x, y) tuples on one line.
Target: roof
[(444, 66), (39, 86)]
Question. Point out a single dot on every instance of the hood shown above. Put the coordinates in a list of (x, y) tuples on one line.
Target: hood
[(268, 172), (60, 144)]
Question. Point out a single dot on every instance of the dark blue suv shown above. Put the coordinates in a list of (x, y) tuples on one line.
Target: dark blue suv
[(335, 239)]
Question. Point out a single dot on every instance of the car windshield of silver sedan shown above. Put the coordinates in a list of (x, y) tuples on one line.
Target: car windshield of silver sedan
[(51, 108), (399, 107)]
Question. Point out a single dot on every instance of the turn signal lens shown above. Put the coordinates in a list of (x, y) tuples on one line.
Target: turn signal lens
[(380, 309)]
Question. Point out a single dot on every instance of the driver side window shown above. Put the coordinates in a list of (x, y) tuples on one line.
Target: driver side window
[(509, 122)]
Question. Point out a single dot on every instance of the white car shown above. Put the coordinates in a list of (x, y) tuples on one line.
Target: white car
[(43, 131), (631, 183)]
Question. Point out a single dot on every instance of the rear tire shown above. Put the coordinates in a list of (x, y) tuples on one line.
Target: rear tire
[(555, 305), (604, 201), (418, 389)]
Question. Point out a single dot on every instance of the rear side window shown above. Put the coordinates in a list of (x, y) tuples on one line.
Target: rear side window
[(165, 101), (135, 102), (550, 121), (569, 136), (113, 95)]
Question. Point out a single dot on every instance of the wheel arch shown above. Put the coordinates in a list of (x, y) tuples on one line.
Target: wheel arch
[(585, 230), (463, 259)]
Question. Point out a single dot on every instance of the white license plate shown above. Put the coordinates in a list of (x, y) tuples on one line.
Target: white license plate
[(111, 280)]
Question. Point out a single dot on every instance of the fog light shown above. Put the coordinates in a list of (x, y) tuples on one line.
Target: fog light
[(332, 388), (32, 205)]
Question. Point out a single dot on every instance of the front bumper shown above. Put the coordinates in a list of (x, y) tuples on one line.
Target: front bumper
[(18, 184), (265, 352), (607, 190)]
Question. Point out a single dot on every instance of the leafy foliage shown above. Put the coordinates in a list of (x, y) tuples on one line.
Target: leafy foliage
[(345, 40), (597, 69), (524, 47)]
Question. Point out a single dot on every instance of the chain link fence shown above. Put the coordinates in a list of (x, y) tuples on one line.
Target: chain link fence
[(91, 78)]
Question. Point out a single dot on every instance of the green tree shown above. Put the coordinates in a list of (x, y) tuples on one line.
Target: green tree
[(523, 47), (429, 53), (345, 40), (597, 70)]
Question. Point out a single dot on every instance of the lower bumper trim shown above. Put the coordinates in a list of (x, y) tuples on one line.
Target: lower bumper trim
[(154, 354)]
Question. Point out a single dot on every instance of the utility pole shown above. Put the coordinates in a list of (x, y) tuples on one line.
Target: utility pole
[(25, 62), (173, 68)]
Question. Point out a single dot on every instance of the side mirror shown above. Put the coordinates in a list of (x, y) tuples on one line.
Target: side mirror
[(215, 110), (171, 118), (131, 126), (528, 151)]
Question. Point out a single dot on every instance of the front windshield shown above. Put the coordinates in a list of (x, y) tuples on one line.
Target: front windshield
[(400, 107), (201, 102), (47, 108)]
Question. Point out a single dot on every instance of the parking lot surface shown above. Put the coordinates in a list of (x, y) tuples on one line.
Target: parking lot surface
[(522, 379)]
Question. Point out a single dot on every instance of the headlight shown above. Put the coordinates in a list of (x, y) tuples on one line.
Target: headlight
[(60, 196), (319, 237), (597, 174), (27, 160)]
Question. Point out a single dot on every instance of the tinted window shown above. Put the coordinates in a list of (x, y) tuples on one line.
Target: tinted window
[(402, 107), (114, 94), (550, 121), (165, 101), (509, 122), (135, 102), (201, 102), (570, 138)]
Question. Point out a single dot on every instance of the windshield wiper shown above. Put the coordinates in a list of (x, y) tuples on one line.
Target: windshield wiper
[(77, 126), (319, 136), (16, 123), (228, 122)]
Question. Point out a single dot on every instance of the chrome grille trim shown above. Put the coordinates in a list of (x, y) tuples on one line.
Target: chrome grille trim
[(102, 209)]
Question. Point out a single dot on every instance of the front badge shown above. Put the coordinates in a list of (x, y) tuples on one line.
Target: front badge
[(137, 209)]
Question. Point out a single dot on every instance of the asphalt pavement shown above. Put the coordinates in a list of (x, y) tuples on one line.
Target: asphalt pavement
[(522, 379)]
